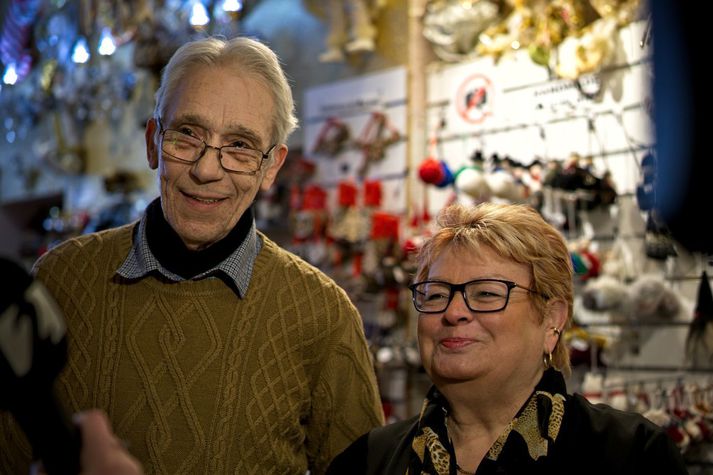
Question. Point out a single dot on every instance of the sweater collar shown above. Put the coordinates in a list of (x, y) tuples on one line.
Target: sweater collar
[(173, 254), (236, 269)]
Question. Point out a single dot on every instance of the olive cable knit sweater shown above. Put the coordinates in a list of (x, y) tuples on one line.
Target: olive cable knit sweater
[(198, 380)]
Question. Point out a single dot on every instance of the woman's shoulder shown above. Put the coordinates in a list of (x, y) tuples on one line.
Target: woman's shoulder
[(393, 431), (382, 450), (619, 440), (602, 418)]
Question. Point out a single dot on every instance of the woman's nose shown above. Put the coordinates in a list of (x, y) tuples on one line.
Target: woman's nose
[(457, 310)]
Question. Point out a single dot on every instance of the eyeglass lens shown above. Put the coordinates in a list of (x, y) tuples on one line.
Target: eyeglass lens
[(189, 149), (480, 296)]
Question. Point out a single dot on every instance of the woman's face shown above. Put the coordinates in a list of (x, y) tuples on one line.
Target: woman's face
[(461, 345)]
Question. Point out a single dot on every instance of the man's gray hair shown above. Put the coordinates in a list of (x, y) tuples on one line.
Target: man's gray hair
[(244, 54)]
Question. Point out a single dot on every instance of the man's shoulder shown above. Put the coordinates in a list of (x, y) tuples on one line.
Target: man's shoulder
[(276, 254), (107, 244), (284, 268)]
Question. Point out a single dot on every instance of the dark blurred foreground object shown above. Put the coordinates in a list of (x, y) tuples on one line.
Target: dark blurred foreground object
[(22, 222), (699, 342), (682, 98), (33, 351)]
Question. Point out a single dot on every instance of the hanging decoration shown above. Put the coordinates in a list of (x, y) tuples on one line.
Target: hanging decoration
[(377, 135), (154, 45), (622, 11), (596, 45), (372, 193), (558, 20), (648, 299), (380, 254), (351, 28), (502, 181), (430, 171), (349, 228), (514, 31), (571, 38), (453, 26), (15, 51), (699, 342), (659, 244), (379, 260), (469, 180), (308, 219), (70, 156), (61, 55), (333, 137), (593, 48), (572, 187), (646, 189), (434, 171)]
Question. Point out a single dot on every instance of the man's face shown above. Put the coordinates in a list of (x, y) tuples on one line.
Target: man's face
[(201, 201)]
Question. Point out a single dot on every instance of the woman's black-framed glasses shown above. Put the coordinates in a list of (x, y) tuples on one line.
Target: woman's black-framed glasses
[(480, 295), (233, 158)]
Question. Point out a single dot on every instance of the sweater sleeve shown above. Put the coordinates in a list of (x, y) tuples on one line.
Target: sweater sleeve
[(346, 403)]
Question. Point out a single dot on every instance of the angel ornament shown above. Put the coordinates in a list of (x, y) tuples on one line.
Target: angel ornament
[(351, 28)]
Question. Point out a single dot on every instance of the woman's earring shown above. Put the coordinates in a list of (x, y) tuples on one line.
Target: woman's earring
[(547, 357)]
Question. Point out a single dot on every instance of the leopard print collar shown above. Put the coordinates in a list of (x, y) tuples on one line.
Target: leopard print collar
[(538, 423)]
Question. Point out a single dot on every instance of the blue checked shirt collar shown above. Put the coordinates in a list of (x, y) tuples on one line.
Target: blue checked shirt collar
[(237, 267)]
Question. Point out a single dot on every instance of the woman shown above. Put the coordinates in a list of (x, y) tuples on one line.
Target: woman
[(494, 293)]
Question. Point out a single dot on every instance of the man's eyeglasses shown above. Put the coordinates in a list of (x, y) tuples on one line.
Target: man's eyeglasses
[(480, 295), (236, 157)]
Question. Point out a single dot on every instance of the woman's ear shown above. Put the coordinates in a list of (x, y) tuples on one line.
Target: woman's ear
[(556, 318), (557, 313), (152, 143)]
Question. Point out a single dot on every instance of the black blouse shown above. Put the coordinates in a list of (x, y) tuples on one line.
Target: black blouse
[(553, 433)]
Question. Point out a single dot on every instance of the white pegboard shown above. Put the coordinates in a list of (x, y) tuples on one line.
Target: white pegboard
[(354, 101), (529, 115)]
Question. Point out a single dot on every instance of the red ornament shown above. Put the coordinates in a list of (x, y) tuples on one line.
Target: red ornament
[(315, 198), (384, 225), (347, 193), (372, 193), (431, 172)]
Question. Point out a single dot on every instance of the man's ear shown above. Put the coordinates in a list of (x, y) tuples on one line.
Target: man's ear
[(278, 159), (152, 143)]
